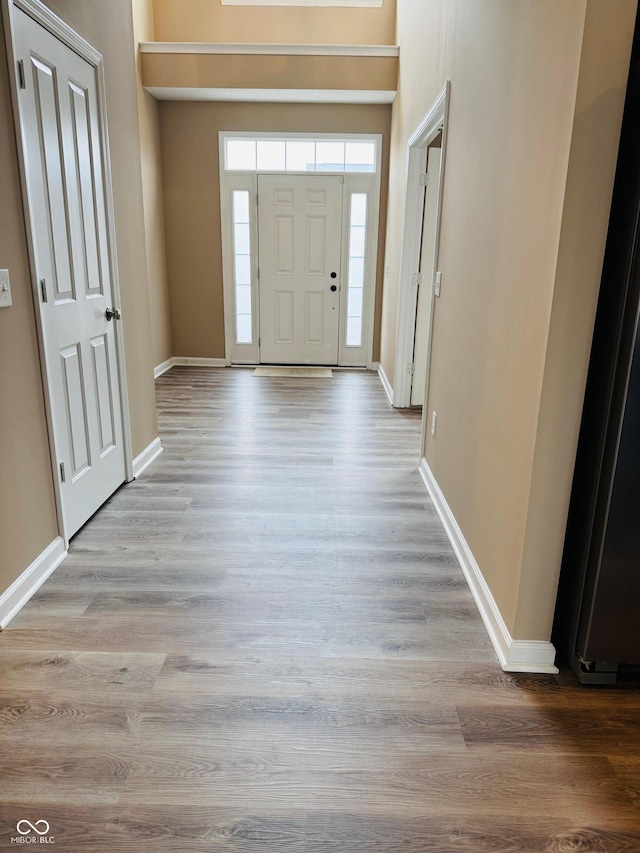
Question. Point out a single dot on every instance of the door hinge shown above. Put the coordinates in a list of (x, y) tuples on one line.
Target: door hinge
[(43, 289), (410, 369), (258, 273), (63, 476), (21, 75), (257, 199), (417, 279), (424, 179)]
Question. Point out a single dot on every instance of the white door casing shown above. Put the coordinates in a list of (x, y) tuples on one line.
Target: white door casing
[(300, 253), (66, 180), (434, 122), (426, 272)]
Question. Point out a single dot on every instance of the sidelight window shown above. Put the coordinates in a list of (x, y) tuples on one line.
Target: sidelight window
[(355, 281), (242, 265)]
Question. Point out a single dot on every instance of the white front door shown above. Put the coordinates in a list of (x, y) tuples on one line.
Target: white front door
[(300, 233), (60, 121)]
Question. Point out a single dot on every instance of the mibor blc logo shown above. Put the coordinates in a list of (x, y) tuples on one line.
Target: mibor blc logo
[(33, 833)]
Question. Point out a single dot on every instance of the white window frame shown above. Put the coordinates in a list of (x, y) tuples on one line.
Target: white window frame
[(358, 182), (301, 137), (244, 353), (351, 356), (364, 4)]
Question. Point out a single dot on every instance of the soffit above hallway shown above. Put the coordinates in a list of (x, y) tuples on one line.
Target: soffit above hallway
[(300, 73)]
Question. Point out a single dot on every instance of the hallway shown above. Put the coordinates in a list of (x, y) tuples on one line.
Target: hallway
[(265, 644)]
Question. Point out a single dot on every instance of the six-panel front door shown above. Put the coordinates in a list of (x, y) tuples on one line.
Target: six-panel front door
[(300, 231), (61, 132)]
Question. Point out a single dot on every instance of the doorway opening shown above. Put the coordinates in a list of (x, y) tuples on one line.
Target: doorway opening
[(300, 218), (420, 279), (426, 272)]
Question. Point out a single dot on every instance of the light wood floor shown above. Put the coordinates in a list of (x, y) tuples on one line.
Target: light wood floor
[(265, 645)]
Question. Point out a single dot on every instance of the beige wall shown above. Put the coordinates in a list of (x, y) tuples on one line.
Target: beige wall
[(594, 148), (209, 21), (192, 201), (27, 504), (521, 252), (149, 120), (109, 27)]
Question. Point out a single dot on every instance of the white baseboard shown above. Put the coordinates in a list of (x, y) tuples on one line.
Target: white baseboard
[(16, 596), (159, 369), (148, 455), (186, 361), (514, 655), (531, 656), (385, 383)]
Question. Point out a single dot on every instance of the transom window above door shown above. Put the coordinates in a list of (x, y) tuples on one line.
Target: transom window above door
[(300, 155)]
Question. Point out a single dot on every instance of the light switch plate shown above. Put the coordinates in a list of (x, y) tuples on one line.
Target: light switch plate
[(5, 289)]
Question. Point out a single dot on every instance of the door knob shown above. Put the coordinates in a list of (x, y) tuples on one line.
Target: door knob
[(334, 287), (334, 275), (113, 314)]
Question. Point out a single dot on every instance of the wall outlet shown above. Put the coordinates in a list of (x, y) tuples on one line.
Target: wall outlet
[(5, 289), (434, 417)]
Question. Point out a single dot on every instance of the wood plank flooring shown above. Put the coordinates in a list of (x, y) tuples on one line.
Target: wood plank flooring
[(265, 645)]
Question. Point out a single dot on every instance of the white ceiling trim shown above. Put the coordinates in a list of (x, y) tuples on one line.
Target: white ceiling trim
[(283, 96), (388, 50)]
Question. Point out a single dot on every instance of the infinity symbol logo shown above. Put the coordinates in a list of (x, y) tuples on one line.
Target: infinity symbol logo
[(32, 827)]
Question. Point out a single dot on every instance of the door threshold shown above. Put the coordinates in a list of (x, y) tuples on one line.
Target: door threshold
[(252, 365)]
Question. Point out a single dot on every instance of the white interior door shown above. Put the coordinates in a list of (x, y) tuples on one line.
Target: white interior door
[(427, 269), (60, 123), (300, 233)]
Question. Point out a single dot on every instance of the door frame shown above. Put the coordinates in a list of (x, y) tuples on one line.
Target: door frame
[(60, 30), (435, 120), (427, 273), (248, 180)]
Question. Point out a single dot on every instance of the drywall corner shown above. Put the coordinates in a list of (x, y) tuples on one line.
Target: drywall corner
[(603, 73)]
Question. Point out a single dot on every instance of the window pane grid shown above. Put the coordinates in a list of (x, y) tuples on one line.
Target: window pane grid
[(300, 155), (271, 155), (242, 266), (357, 250)]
